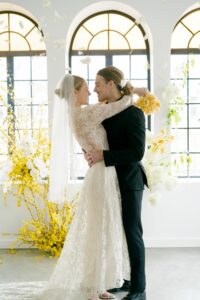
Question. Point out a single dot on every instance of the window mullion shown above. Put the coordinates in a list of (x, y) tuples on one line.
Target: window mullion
[(109, 59)]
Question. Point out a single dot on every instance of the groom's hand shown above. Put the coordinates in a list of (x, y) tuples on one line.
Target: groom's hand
[(93, 156)]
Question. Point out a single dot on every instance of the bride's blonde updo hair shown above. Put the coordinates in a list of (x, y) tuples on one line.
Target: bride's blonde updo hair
[(66, 83), (117, 76)]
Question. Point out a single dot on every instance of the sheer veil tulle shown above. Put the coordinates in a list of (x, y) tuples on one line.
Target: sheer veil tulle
[(61, 159)]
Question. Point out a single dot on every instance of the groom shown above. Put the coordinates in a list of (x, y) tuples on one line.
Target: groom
[(126, 138)]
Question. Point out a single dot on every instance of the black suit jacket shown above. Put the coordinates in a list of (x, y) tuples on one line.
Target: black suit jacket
[(126, 138)]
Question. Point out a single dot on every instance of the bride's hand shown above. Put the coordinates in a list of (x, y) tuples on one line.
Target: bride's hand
[(93, 156), (87, 158), (141, 91)]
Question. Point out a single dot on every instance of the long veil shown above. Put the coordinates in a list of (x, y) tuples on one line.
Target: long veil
[(60, 164), (61, 158)]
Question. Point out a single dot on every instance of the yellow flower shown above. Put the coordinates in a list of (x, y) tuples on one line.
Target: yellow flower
[(49, 224), (158, 144), (148, 103), (48, 236)]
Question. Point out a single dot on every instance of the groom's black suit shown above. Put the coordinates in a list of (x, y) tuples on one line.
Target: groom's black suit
[(126, 138)]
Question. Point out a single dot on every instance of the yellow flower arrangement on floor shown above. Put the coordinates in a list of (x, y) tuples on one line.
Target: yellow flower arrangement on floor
[(25, 175), (49, 229)]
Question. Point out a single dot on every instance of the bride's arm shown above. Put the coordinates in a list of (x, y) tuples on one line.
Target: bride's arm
[(101, 111)]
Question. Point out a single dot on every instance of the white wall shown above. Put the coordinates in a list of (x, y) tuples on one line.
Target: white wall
[(174, 221)]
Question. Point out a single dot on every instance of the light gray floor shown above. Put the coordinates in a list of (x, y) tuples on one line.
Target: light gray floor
[(172, 273)]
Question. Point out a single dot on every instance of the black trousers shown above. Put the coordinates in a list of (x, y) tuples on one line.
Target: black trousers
[(131, 213)]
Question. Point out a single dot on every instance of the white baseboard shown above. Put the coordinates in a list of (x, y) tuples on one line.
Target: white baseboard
[(5, 242), (171, 242)]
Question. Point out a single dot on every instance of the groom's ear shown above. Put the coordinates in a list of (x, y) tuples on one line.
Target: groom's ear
[(111, 83)]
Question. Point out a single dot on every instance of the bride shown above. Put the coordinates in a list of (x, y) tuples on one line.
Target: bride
[(94, 257)]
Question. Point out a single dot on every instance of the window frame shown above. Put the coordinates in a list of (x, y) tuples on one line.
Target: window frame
[(187, 52), (9, 56), (110, 53)]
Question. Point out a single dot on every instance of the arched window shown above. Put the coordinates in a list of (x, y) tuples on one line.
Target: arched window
[(110, 38), (23, 75), (185, 74)]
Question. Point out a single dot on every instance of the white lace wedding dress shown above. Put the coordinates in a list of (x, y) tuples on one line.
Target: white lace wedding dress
[(94, 256)]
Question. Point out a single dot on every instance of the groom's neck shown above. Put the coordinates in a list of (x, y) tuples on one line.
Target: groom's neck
[(114, 97)]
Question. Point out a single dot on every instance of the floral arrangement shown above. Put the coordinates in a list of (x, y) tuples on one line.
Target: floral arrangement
[(148, 103), (155, 161), (27, 164), (157, 164), (49, 229), (158, 143), (25, 174)]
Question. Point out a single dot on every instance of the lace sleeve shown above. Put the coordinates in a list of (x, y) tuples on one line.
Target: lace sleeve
[(101, 111)]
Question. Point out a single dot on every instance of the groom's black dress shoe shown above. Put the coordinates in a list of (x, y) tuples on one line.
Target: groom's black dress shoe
[(124, 288), (135, 296)]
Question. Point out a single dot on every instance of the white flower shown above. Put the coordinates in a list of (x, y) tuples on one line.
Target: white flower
[(38, 162), (149, 158), (6, 187), (123, 83), (29, 164), (33, 151), (34, 173), (86, 60), (170, 183), (5, 170), (41, 167), (154, 198), (40, 181), (155, 176), (24, 145), (170, 92), (26, 152), (44, 173)]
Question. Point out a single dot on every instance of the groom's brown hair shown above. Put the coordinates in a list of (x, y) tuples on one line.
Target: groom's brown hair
[(117, 76)]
